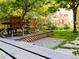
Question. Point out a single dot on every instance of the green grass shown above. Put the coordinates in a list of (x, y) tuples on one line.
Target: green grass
[(66, 35), (70, 48)]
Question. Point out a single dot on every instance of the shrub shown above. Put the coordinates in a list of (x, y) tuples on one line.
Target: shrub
[(53, 27), (75, 52), (66, 26)]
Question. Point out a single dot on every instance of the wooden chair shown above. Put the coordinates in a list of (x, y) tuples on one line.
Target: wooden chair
[(32, 23), (16, 23)]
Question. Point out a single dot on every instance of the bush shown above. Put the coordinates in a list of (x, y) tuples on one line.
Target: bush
[(60, 28), (75, 52), (52, 27), (66, 27)]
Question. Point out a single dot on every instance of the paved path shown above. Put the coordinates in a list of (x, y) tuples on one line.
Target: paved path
[(52, 42), (68, 48), (66, 51), (47, 42)]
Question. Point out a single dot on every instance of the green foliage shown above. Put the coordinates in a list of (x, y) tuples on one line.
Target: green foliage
[(33, 7), (24, 7), (64, 34), (41, 7), (53, 6), (53, 27), (68, 3), (66, 26), (69, 47), (67, 35), (75, 52), (5, 8)]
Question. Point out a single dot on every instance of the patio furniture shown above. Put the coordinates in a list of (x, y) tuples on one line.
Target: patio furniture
[(2, 32), (6, 24), (32, 24), (15, 23)]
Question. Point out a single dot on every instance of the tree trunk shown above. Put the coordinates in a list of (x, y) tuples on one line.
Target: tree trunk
[(24, 13), (74, 19)]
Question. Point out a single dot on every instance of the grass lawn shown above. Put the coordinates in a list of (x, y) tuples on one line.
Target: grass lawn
[(67, 35), (64, 34)]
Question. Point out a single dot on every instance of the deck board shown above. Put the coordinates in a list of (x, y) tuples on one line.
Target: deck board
[(21, 54)]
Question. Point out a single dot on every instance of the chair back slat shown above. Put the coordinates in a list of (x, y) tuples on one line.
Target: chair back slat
[(15, 22)]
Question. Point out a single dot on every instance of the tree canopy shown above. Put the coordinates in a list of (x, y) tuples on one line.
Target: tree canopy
[(22, 7), (36, 7)]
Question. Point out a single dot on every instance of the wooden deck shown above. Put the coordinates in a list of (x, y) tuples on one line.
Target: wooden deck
[(10, 49)]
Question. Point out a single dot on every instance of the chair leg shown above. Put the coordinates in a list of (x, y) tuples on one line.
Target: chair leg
[(23, 31), (2, 32), (12, 34)]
